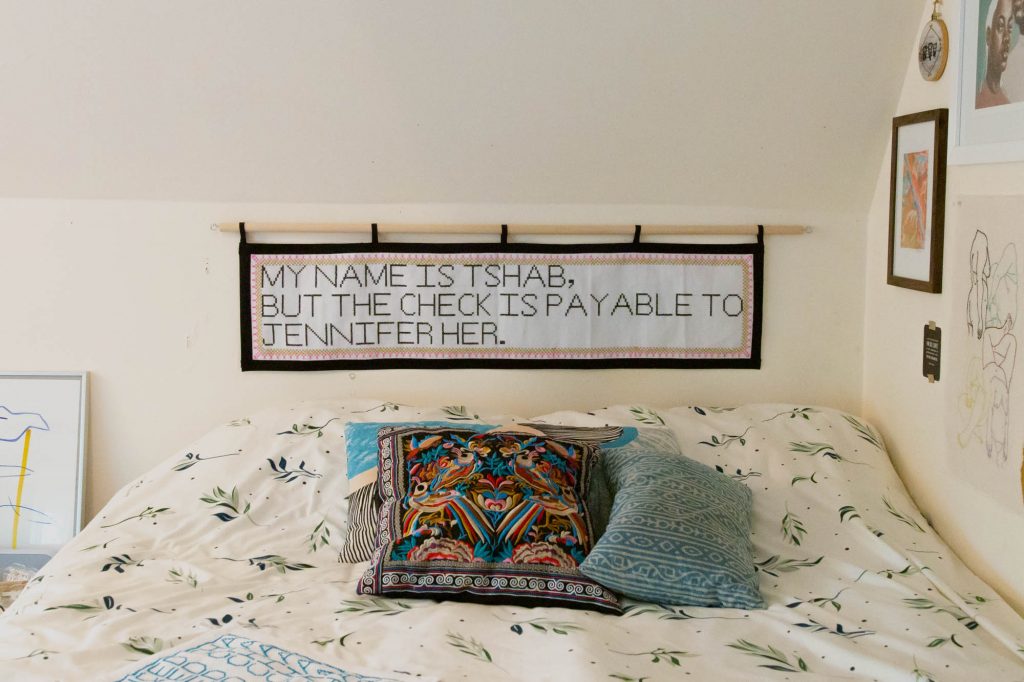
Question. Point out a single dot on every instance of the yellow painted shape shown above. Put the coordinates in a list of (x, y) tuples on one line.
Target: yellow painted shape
[(21, 485)]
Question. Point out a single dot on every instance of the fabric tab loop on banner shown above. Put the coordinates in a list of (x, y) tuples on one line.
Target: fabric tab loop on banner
[(373, 233), (504, 234), (241, 232), (636, 234)]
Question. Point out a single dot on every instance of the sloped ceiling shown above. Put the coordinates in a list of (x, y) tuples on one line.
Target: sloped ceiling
[(701, 102)]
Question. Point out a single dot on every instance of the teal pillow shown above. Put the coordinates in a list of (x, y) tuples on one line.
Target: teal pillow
[(679, 531)]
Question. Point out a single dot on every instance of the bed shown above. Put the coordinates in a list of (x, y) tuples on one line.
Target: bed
[(230, 550)]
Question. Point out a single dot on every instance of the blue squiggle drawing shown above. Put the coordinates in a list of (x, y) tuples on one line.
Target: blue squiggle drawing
[(13, 425), (42, 517)]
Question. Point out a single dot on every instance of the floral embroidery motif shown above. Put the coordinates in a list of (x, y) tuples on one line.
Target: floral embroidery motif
[(494, 498), (499, 513)]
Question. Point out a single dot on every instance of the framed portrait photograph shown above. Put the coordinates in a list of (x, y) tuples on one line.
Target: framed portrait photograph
[(988, 123), (42, 446), (917, 199)]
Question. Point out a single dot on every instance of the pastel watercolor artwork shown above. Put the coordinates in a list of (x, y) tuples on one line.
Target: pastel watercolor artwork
[(914, 200)]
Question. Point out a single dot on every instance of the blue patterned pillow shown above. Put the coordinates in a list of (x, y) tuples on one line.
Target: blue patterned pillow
[(679, 531)]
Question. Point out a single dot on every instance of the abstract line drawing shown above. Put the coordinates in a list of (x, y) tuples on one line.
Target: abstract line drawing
[(914, 200), (992, 311), (15, 426)]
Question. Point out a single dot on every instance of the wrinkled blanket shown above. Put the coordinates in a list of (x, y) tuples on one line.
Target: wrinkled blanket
[(239, 532)]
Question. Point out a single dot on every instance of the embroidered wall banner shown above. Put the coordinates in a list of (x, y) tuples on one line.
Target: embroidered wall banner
[(371, 306)]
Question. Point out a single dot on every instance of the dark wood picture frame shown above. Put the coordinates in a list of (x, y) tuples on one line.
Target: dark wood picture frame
[(935, 212)]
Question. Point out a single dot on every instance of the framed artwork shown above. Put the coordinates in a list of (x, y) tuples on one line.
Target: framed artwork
[(989, 111), (917, 200), (984, 416), (42, 444)]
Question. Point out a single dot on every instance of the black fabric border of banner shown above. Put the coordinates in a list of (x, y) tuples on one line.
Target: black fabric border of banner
[(247, 249)]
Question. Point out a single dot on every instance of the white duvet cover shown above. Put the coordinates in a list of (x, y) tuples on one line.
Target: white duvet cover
[(238, 535)]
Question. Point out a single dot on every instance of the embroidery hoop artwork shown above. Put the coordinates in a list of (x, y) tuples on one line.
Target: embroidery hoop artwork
[(349, 306)]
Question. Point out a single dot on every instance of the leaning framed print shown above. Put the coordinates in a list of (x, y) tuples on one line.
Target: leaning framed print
[(42, 443), (988, 116), (917, 200)]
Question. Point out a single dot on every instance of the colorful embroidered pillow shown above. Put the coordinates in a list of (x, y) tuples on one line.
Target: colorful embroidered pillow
[(679, 531), (364, 502), (361, 446), (494, 517)]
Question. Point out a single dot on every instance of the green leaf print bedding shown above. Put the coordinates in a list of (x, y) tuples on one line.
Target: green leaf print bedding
[(238, 535)]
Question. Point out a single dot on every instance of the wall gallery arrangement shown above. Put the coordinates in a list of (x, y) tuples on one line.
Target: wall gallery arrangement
[(917, 198), (989, 109)]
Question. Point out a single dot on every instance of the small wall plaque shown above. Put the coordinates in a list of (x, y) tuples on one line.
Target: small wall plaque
[(932, 351)]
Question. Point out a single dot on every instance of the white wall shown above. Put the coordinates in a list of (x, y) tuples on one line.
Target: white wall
[(145, 296), (597, 111), (728, 103), (897, 398)]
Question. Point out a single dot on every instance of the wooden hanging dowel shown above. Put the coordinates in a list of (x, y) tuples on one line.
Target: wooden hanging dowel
[(514, 229)]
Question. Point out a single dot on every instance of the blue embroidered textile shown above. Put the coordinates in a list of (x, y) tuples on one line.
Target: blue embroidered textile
[(230, 657), (679, 531)]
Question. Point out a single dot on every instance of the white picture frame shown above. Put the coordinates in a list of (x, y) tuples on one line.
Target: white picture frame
[(43, 431), (988, 123)]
